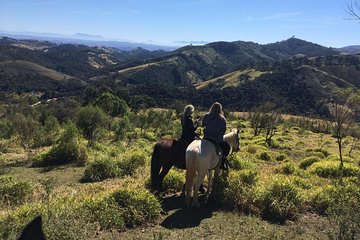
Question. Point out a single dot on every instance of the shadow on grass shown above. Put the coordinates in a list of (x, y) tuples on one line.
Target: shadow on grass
[(183, 217)]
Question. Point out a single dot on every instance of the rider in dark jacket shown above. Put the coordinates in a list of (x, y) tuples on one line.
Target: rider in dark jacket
[(214, 124), (188, 126)]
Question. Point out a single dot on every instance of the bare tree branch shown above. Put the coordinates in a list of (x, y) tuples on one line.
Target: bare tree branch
[(353, 10)]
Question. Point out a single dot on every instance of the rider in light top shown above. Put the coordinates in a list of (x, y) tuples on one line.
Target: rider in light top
[(214, 124)]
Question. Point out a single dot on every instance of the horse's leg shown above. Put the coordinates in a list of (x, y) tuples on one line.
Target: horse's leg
[(165, 170), (190, 176), (210, 182), (200, 180)]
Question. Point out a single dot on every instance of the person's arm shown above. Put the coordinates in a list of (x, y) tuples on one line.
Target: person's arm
[(190, 124), (223, 126), (205, 120)]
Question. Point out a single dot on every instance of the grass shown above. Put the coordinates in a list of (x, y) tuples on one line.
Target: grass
[(210, 221)]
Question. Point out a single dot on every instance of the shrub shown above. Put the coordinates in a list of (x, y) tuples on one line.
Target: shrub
[(112, 104), (106, 212), (322, 198), (281, 200), (240, 193), (323, 151), (344, 213), (280, 157), (251, 149), (174, 180), (139, 207), (287, 168), (238, 163), (328, 169), (68, 150), (220, 183), (12, 224), (265, 156), (6, 128), (90, 120), (122, 126), (131, 162), (307, 162), (99, 170), (13, 191)]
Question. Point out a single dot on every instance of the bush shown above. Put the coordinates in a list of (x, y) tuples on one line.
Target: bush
[(68, 150), (344, 213), (13, 191), (328, 169), (251, 149), (112, 104), (122, 126), (281, 200), (130, 163), (174, 180), (240, 193), (6, 128), (106, 212), (139, 207), (307, 162), (90, 120), (99, 170), (265, 156), (287, 168), (238, 163), (322, 198), (280, 157), (220, 184)]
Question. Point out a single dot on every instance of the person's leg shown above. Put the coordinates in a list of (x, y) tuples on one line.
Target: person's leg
[(225, 152)]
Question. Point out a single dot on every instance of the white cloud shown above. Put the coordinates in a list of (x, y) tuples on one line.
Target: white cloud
[(286, 15)]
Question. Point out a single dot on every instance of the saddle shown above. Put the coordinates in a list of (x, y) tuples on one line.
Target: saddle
[(218, 149)]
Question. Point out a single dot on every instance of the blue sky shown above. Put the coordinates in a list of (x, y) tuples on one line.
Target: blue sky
[(166, 21)]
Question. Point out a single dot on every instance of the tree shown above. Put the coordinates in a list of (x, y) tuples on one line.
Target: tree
[(27, 130), (90, 120), (343, 112), (112, 104), (353, 9)]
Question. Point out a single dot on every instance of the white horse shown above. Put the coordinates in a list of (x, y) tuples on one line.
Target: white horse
[(201, 158)]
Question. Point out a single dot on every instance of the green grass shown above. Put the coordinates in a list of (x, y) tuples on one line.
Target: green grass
[(279, 184)]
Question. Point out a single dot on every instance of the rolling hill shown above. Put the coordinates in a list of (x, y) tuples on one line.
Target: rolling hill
[(298, 76), (20, 67)]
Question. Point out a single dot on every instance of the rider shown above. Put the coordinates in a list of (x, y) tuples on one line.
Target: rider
[(188, 133), (214, 124), (188, 126)]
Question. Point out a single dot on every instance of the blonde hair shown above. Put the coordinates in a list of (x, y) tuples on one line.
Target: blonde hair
[(216, 108), (187, 111)]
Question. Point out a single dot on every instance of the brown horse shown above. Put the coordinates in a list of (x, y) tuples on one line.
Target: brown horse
[(167, 153)]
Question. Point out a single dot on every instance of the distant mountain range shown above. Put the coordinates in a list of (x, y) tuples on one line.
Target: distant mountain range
[(351, 49), (298, 76), (89, 40)]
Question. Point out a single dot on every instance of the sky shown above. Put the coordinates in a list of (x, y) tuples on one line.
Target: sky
[(167, 21)]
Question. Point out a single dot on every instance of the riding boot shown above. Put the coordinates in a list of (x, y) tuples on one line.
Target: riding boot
[(224, 165)]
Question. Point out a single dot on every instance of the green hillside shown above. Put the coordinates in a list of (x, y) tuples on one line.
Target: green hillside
[(20, 67)]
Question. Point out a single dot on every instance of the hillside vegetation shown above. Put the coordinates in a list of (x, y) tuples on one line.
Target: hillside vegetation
[(86, 167), (299, 77)]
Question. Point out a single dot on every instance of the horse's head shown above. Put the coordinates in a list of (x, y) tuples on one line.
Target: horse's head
[(234, 140), (236, 148)]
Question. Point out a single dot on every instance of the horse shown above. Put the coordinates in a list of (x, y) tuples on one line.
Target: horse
[(33, 230), (202, 158), (166, 154)]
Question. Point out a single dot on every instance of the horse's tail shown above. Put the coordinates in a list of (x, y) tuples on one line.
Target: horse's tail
[(190, 174), (155, 167)]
